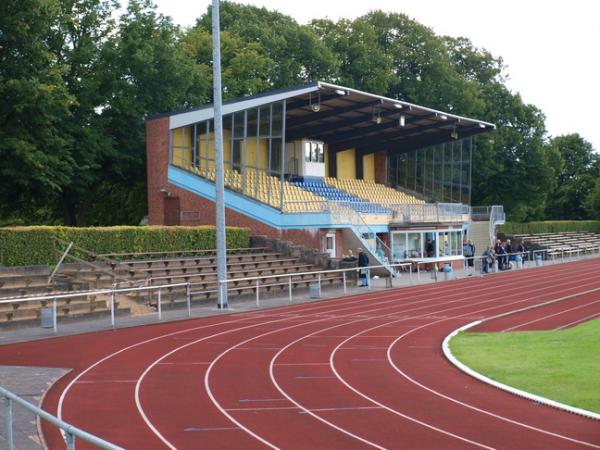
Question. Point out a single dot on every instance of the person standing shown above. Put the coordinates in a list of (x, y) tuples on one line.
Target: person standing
[(487, 260), (363, 267), (468, 252)]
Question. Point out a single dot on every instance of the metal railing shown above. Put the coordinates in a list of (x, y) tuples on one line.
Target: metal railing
[(529, 258), (318, 277), (69, 431)]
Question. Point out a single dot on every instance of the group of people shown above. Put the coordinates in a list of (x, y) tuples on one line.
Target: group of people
[(502, 253), (363, 264)]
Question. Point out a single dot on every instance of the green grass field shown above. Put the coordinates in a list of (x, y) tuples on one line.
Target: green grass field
[(560, 365)]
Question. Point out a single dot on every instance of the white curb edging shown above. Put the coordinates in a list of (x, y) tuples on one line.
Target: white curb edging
[(536, 398)]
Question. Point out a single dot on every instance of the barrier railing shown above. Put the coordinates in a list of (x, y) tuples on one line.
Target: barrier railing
[(415, 270), (70, 432), (318, 277)]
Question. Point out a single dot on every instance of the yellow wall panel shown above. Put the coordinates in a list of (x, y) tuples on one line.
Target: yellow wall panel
[(346, 164), (326, 159), (369, 167)]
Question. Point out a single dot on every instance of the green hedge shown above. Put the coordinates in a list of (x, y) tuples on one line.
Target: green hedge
[(33, 245), (556, 226)]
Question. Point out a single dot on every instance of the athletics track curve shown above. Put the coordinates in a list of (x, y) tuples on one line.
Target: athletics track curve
[(365, 371)]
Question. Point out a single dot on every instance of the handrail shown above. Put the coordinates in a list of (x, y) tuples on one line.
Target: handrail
[(71, 432), (176, 252), (316, 272)]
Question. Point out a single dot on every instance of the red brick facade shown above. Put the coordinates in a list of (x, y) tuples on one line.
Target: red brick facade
[(202, 210)]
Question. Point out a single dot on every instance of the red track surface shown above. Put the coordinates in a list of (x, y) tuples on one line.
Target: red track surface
[(358, 372)]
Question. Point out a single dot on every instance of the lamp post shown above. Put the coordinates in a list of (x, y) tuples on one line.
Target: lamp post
[(219, 169)]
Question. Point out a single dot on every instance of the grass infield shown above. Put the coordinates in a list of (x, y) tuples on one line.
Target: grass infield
[(562, 365)]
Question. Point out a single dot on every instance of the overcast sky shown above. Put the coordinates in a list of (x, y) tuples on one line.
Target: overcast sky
[(551, 48)]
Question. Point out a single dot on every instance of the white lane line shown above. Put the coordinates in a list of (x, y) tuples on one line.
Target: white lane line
[(332, 356), (467, 405), (392, 299), (358, 300), (550, 315), (584, 319)]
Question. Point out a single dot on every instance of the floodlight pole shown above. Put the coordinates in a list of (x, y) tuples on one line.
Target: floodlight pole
[(219, 169)]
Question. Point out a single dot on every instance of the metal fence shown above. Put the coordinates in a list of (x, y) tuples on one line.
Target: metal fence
[(69, 432)]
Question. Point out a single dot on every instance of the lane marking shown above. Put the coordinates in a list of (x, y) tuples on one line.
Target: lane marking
[(584, 319), (551, 315)]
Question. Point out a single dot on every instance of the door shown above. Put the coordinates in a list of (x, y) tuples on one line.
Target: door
[(330, 244), (172, 216)]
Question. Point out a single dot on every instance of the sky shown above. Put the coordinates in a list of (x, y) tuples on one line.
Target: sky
[(551, 48)]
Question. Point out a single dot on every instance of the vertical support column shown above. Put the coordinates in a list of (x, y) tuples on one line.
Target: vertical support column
[(282, 162), (159, 304), (257, 294), (54, 319), (112, 306), (290, 287), (188, 297), (8, 417), (70, 441), (219, 169), (344, 281)]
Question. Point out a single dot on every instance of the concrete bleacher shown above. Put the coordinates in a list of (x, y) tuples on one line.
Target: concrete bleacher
[(19, 282), (568, 243), (199, 272)]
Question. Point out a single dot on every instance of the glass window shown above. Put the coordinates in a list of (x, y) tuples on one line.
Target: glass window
[(430, 248), (238, 125), (277, 126), (399, 248), (265, 121), (444, 244), (414, 245), (252, 123), (320, 155), (457, 243)]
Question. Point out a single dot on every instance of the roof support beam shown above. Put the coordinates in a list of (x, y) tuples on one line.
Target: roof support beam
[(404, 144), (348, 135), (374, 140), (334, 111)]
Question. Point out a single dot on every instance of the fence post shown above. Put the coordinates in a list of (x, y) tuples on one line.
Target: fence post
[(9, 422), (344, 281), (368, 278), (290, 287), (159, 304), (257, 298), (54, 319), (319, 282), (112, 306), (70, 441), (418, 272), (188, 295)]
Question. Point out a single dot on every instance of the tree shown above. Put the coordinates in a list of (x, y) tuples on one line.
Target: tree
[(576, 179), (36, 163)]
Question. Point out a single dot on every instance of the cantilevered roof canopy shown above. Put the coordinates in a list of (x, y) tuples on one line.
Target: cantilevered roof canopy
[(347, 118)]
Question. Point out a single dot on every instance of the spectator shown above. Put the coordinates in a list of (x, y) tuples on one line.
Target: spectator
[(429, 249), (521, 249), (468, 252), (509, 250), (363, 267), (487, 260), (349, 257)]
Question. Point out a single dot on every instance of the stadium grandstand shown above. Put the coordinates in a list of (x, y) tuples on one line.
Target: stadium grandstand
[(324, 166)]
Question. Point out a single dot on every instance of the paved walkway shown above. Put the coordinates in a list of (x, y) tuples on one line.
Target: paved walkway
[(29, 383)]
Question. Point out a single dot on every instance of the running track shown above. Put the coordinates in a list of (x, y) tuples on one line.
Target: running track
[(365, 371)]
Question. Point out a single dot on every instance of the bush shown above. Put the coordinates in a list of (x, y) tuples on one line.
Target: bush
[(33, 245), (551, 226)]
